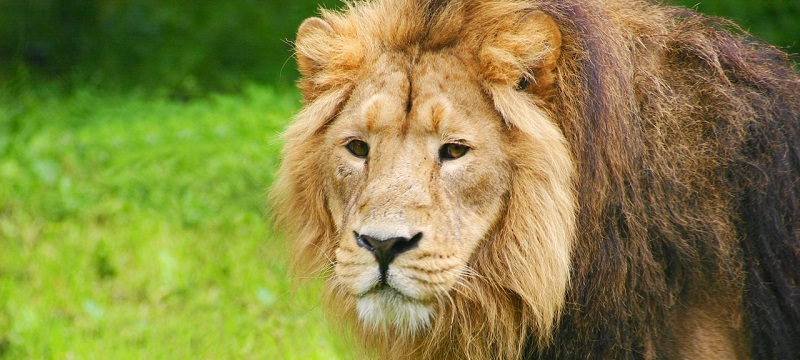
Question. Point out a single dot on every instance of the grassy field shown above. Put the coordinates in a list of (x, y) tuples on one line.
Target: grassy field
[(134, 227)]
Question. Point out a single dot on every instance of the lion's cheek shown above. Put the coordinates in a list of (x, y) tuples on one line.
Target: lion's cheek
[(477, 188), (427, 280), (354, 272), (474, 209), (336, 209), (340, 190)]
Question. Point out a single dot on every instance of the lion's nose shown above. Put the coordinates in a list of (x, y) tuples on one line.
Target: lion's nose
[(385, 250)]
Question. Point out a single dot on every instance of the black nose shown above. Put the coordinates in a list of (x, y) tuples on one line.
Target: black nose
[(385, 250)]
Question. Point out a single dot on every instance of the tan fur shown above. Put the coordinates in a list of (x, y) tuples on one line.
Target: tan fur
[(710, 333), (547, 226)]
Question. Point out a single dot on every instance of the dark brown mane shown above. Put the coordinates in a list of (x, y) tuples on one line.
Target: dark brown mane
[(661, 223)]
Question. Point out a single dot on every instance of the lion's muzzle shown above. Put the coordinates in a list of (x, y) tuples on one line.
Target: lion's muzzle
[(386, 250)]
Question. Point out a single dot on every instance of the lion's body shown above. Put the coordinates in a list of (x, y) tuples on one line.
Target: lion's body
[(636, 196)]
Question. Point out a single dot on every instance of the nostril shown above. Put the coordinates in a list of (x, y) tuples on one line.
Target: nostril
[(404, 244), (364, 241)]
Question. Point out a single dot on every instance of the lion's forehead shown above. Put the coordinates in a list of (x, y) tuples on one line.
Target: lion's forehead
[(431, 93)]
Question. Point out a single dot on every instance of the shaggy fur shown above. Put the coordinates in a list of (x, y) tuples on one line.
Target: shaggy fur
[(642, 199)]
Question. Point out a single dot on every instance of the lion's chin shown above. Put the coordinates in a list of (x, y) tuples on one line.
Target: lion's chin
[(387, 309)]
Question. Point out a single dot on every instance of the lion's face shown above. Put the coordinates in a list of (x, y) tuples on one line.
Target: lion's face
[(416, 177), (427, 173)]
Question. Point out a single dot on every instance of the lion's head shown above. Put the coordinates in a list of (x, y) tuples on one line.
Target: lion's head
[(561, 179), (426, 172)]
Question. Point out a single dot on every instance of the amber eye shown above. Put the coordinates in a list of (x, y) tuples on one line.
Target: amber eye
[(452, 151), (358, 148)]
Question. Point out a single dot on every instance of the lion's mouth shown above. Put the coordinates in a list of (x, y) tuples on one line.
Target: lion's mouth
[(384, 289)]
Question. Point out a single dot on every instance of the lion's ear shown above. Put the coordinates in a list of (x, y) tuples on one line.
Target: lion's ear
[(312, 46), (327, 53), (312, 49), (544, 66), (520, 60), (524, 54)]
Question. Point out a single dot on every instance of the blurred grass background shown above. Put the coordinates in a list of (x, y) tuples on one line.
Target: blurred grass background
[(137, 140)]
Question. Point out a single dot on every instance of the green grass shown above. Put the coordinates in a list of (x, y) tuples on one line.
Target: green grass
[(135, 227)]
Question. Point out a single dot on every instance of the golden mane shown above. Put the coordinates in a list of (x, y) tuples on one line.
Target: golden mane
[(677, 136)]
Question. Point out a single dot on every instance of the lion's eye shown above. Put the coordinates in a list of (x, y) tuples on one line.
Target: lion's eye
[(452, 151), (358, 148)]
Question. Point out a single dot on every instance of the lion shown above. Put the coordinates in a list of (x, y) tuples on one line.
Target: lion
[(506, 179)]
